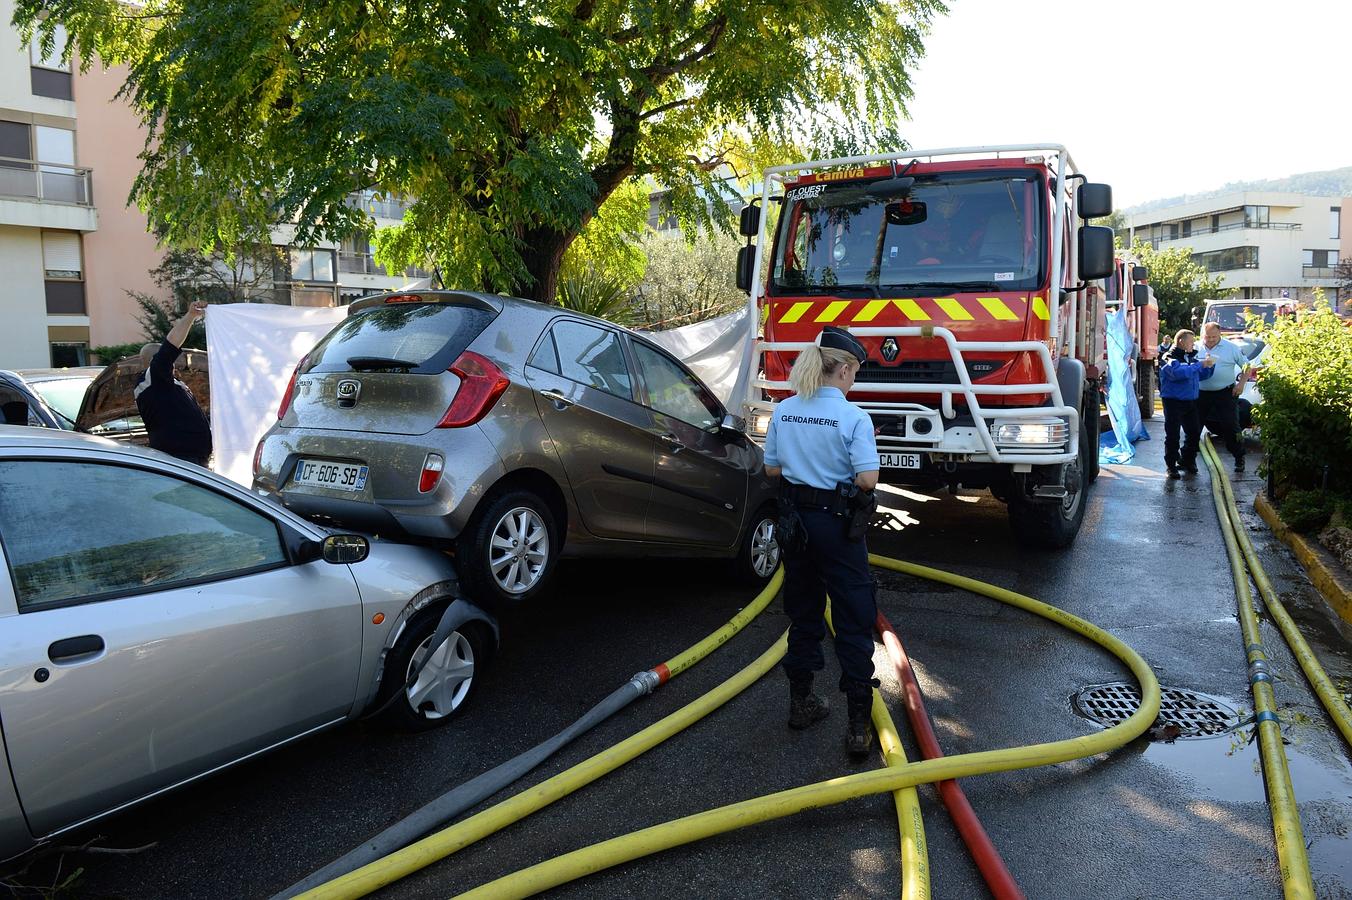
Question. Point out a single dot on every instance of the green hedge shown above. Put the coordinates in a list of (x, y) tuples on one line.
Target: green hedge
[(1306, 413)]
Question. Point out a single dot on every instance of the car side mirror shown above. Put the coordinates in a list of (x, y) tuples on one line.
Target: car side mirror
[(749, 222), (342, 549), (1140, 295), (1140, 273), (731, 424)]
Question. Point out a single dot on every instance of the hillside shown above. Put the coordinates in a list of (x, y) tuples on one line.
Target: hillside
[(1332, 183)]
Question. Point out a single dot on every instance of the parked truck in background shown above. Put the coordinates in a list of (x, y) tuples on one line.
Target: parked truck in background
[(1126, 285), (964, 276)]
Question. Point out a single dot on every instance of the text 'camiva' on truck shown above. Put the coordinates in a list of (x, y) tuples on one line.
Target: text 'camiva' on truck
[(961, 273)]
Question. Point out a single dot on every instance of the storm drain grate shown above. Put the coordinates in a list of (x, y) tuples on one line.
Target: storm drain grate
[(1193, 714)]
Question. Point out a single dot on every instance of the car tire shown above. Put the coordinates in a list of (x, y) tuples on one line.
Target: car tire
[(507, 554), (758, 554), (1052, 525), (448, 683)]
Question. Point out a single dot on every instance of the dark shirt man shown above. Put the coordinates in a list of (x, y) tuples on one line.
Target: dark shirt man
[(174, 422)]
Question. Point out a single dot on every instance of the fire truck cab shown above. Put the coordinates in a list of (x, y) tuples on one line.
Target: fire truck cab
[(965, 274)]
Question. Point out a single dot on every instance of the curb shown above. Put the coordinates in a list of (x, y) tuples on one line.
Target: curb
[(1335, 587)]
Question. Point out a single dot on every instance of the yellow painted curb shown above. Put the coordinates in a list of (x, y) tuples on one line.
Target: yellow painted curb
[(1333, 586)]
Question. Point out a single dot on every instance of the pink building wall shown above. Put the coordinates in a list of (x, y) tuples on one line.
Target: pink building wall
[(120, 254)]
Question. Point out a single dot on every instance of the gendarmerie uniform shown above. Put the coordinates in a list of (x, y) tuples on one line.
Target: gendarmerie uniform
[(820, 444)]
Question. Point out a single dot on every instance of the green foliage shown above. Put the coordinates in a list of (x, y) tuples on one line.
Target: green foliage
[(1180, 284), (1306, 413), (596, 294), (1307, 510), (689, 281), (111, 353), (185, 276), (509, 123), (610, 244)]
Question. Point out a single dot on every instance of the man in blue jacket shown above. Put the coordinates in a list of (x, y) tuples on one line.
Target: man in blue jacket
[(1180, 375)]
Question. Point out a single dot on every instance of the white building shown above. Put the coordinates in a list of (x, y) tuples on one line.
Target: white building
[(1260, 243)]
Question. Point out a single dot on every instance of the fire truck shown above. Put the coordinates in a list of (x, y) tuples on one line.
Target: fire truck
[(1126, 284), (965, 274)]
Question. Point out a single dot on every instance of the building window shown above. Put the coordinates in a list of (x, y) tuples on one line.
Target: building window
[(49, 75), (309, 264), (1229, 259), (1256, 216), (64, 273), (1187, 228), (1335, 223), (1216, 222), (69, 353)]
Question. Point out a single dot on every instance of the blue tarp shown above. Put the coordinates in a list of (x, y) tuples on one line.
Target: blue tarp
[(1123, 410)]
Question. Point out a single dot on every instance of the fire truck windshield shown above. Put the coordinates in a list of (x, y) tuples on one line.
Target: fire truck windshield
[(959, 231)]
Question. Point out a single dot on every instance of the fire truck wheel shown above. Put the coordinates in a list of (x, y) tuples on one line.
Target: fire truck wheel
[(1146, 379), (1051, 525), (1092, 425)]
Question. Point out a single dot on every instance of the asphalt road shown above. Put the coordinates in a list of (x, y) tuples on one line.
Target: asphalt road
[(1186, 818)]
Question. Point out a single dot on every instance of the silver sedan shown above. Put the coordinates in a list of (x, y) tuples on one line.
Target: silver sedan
[(160, 623)]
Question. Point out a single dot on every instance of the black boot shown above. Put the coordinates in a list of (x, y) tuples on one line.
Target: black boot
[(859, 737), (805, 707)]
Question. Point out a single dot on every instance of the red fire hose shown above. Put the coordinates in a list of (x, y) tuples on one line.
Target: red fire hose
[(984, 854)]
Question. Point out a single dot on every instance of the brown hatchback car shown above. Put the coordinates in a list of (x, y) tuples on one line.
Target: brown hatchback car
[(515, 433)]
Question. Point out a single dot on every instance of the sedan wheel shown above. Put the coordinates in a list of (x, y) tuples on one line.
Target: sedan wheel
[(445, 681), (764, 549), (518, 550)]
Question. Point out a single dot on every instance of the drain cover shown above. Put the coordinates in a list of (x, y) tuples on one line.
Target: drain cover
[(1193, 714)]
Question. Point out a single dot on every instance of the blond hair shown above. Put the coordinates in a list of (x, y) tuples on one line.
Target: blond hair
[(812, 367)]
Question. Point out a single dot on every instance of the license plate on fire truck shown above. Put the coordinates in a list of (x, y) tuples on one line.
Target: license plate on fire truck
[(322, 473), (900, 460)]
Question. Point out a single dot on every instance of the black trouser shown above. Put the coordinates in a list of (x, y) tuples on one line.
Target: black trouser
[(1218, 413), (1181, 414), (831, 563)]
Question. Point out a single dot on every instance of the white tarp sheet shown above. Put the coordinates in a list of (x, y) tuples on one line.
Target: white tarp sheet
[(252, 349), (715, 350)]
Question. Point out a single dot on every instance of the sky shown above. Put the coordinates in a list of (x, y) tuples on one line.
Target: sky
[(1155, 97)]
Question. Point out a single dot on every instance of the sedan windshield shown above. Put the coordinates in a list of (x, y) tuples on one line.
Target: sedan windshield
[(957, 232)]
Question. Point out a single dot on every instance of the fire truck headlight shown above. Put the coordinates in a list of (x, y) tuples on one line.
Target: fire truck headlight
[(1042, 433), (760, 423)]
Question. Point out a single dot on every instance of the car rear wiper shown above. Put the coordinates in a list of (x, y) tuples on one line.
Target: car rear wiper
[(366, 363)]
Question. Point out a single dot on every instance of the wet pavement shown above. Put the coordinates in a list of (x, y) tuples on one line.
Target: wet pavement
[(1187, 818)]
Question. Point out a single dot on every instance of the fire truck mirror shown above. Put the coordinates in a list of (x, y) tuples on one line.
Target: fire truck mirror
[(1094, 201), (1096, 251), (1139, 273), (750, 222), (746, 262), (1140, 295)]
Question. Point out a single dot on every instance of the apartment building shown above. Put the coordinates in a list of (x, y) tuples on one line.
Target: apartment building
[(72, 249), (1263, 244)]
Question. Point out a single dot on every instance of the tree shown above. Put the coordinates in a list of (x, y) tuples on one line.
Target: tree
[(1343, 272), (689, 281), (510, 123), (187, 275), (1179, 282)]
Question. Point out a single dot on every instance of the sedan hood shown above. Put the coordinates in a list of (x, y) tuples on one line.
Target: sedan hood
[(110, 400)]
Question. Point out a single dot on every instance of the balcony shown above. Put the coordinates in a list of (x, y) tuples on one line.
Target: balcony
[(1317, 272), (365, 264), (45, 182), (380, 208), (1155, 242)]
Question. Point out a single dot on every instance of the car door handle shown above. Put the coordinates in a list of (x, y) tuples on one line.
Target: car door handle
[(673, 443), (556, 397), (70, 649)]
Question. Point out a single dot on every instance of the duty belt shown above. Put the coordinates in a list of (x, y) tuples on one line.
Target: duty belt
[(803, 495)]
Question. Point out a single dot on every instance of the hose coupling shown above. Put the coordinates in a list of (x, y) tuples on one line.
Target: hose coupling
[(646, 681), (1258, 671)]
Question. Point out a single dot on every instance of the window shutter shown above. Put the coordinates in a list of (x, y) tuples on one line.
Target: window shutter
[(61, 254)]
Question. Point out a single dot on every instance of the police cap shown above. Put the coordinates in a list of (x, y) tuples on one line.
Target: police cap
[(840, 339)]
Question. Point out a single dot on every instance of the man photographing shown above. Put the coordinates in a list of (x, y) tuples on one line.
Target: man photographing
[(174, 422)]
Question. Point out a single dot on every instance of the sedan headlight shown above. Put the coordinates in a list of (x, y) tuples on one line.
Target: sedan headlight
[(1042, 433)]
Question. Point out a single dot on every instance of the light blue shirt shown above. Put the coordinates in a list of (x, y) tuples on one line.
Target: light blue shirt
[(1229, 361), (822, 441)]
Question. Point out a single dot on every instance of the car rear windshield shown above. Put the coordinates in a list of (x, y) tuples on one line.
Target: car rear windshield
[(421, 338)]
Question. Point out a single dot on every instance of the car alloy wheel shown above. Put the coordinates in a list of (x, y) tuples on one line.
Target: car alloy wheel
[(764, 549), (518, 550), (446, 681)]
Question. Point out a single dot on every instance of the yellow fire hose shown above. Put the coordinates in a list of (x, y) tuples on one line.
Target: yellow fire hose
[(1291, 855), (1320, 683), (894, 778)]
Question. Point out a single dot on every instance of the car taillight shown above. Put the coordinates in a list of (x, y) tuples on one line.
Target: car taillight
[(431, 472), (481, 384), (258, 456), (290, 389)]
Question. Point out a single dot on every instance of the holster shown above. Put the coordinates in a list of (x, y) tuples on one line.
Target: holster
[(861, 505), (790, 532)]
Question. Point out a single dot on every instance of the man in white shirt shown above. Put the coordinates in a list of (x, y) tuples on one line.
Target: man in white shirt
[(1217, 394)]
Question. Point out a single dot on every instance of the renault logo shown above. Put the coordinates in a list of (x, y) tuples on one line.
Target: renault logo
[(348, 389), (889, 349)]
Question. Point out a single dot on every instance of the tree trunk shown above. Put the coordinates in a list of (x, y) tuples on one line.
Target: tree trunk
[(543, 255)]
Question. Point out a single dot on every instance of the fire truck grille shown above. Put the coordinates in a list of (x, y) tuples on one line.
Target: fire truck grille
[(917, 371), (1183, 713)]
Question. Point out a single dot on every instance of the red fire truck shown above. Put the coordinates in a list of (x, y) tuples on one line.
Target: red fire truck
[(963, 274), (1126, 285)]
